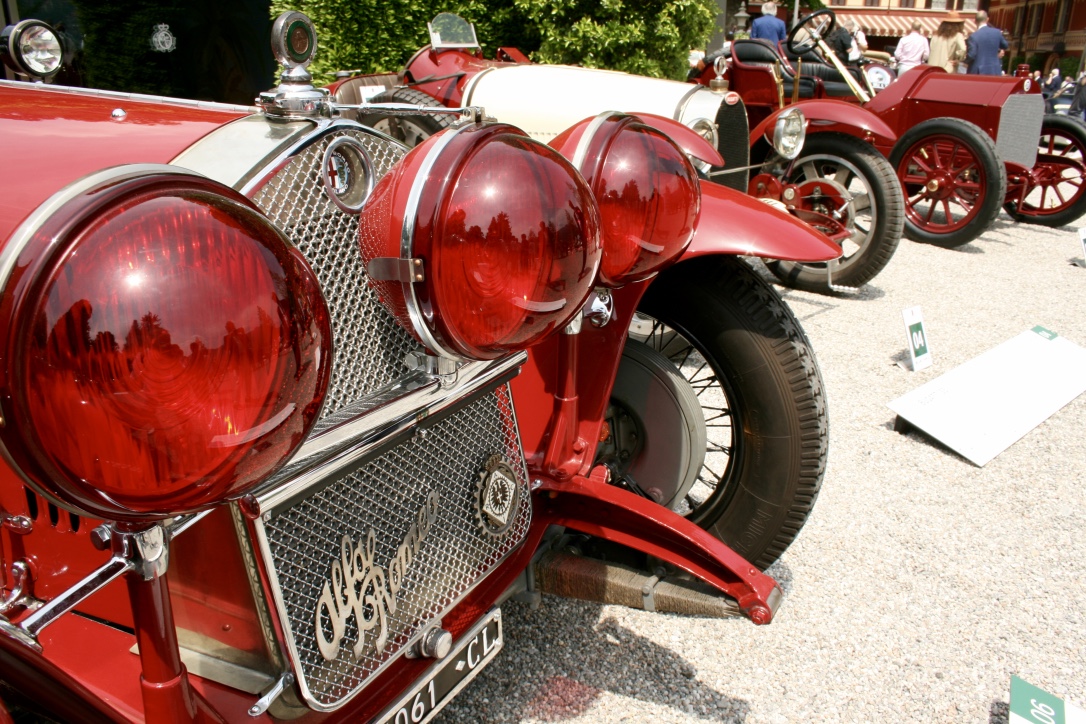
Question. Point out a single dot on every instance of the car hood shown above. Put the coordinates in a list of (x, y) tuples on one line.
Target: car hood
[(545, 100), (49, 137)]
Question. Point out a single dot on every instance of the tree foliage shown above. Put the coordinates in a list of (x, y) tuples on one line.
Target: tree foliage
[(648, 38)]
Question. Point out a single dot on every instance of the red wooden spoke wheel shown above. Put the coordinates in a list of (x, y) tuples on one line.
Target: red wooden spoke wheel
[(1056, 194), (954, 183)]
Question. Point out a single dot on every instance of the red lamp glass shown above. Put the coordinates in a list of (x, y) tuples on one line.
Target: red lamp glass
[(496, 238), (646, 189), (165, 349)]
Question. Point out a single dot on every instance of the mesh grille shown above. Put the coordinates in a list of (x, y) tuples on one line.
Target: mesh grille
[(456, 552), (734, 144), (1020, 128), (369, 346)]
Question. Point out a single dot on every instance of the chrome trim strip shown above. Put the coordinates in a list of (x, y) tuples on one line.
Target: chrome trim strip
[(19, 240), (406, 238), (276, 591), (122, 96), (322, 128), (322, 455), (469, 89), (685, 100), (586, 138), (232, 153)]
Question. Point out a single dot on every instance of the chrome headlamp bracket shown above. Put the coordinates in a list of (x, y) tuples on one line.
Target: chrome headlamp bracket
[(144, 553)]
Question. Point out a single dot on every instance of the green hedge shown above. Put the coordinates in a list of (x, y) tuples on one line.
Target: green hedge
[(652, 37)]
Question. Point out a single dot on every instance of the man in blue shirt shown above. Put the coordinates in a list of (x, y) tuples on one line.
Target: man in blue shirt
[(769, 26)]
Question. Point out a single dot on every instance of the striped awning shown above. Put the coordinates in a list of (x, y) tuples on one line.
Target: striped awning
[(896, 25)]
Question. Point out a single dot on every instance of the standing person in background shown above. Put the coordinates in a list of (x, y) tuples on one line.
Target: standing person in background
[(1078, 100), (948, 45), (859, 42), (769, 26), (840, 43), (912, 50), (986, 47)]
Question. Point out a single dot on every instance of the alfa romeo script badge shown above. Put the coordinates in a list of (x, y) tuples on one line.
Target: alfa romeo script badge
[(360, 588), (497, 497)]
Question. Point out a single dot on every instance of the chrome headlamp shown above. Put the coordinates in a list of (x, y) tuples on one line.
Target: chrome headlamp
[(789, 132), (32, 48), (707, 130)]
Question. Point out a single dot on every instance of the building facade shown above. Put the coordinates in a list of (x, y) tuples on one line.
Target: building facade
[(1043, 32)]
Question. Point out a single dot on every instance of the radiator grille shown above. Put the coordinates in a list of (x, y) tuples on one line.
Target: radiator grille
[(369, 345), (1020, 128), (385, 496)]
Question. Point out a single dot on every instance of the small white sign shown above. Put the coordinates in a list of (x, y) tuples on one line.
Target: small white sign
[(1033, 705), (919, 352), (985, 405)]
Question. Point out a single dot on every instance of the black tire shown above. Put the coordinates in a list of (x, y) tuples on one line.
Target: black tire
[(408, 130), (967, 207), (758, 383), (1058, 196), (876, 211)]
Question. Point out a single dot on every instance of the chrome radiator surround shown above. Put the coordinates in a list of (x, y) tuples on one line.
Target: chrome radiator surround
[(360, 565), (387, 498), (1020, 128)]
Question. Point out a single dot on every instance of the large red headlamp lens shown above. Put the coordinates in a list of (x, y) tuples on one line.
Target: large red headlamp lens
[(646, 189), (165, 348), (482, 241)]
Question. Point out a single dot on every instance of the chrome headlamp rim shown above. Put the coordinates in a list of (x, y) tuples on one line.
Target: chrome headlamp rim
[(705, 128), (789, 144), (12, 39), (407, 240)]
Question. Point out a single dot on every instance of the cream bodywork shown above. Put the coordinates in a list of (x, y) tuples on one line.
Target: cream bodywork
[(545, 100)]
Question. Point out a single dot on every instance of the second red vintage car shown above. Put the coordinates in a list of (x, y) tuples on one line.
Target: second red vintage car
[(962, 146)]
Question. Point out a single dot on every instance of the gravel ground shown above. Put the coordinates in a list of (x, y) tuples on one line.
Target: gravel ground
[(919, 585)]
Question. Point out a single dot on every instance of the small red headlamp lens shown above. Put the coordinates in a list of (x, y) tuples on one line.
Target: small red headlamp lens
[(506, 234), (646, 189), (167, 349)]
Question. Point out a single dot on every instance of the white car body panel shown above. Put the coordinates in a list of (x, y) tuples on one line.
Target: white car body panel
[(513, 95)]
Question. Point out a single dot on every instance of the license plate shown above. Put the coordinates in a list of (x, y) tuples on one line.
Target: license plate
[(447, 677)]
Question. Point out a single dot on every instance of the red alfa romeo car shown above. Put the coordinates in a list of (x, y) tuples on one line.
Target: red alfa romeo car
[(288, 410)]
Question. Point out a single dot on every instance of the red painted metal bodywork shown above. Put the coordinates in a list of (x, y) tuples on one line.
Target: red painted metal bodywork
[(830, 115), (84, 137)]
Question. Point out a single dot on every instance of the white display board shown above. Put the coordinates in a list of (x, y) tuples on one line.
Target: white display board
[(982, 407)]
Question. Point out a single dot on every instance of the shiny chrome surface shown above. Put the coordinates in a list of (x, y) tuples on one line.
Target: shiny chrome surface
[(368, 344), (392, 444), (405, 525), (407, 241)]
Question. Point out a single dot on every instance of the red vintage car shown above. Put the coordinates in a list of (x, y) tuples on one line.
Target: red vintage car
[(288, 411), (962, 146), (840, 185)]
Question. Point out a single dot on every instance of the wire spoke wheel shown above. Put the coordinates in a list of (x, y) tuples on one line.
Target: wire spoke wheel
[(715, 350)]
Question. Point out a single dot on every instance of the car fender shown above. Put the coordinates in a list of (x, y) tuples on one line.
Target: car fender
[(734, 223), (831, 115)]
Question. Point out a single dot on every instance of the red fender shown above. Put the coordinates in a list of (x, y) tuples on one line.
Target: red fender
[(734, 223), (833, 115)]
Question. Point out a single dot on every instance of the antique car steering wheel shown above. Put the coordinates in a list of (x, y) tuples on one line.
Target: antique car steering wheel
[(822, 23)]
